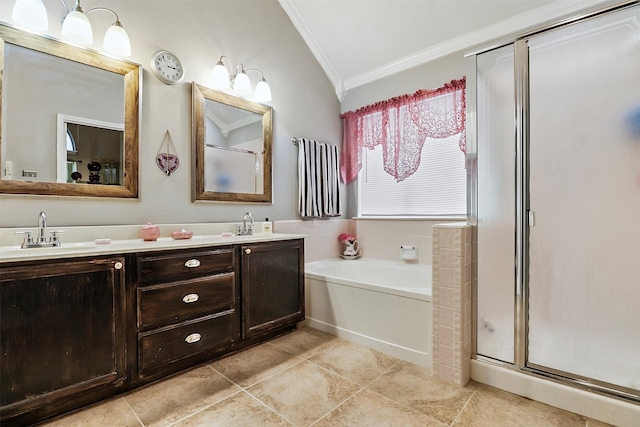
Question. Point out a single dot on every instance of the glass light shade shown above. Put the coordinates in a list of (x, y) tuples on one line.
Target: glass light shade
[(116, 40), (220, 77), (77, 28), (31, 14), (242, 84), (263, 91)]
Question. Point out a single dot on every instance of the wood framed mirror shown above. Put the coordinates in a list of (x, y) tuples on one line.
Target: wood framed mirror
[(70, 119), (232, 140)]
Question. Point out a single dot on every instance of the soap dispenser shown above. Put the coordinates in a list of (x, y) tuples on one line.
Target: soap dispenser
[(266, 226)]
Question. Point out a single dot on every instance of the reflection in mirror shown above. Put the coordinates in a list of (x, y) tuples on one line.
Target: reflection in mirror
[(233, 142), (232, 147), (83, 141), (69, 119)]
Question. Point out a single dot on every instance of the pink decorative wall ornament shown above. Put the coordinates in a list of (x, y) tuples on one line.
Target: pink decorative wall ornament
[(167, 159)]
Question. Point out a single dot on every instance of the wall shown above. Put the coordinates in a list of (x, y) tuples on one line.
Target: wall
[(256, 33), (321, 241), (427, 76)]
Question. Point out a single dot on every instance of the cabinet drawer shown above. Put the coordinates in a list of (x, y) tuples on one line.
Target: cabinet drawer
[(177, 301), (180, 266), (166, 345)]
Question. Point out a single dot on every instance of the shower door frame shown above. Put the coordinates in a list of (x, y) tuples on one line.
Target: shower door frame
[(523, 213)]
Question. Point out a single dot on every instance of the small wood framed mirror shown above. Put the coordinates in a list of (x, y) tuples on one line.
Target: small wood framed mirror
[(232, 140)]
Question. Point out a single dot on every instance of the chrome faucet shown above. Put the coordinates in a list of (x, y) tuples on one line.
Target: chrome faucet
[(244, 230), (41, 241), (42, 226)]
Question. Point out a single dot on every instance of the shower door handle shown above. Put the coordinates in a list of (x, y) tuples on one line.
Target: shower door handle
[(531, 218)]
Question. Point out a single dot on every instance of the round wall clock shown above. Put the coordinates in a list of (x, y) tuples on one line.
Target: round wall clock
[(167, 67)]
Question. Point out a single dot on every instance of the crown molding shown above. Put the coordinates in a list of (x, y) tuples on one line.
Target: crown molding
[(513, 27), (307, 35)]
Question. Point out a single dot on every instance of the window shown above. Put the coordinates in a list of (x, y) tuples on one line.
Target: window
[(71, 143), (408, 153), (437, 188)]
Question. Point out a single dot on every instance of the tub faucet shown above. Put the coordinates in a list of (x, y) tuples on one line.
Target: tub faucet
[(41, 241), (244, 230)]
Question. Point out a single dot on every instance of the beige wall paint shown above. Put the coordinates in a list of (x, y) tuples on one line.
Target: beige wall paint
[(255, 32), (427, 76)]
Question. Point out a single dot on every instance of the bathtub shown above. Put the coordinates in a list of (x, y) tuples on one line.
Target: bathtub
[(384, 305)]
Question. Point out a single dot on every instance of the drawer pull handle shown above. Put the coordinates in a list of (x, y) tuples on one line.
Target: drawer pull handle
[(247, 251), (117, 265), (190, 298), (193, 338), (192, 263)]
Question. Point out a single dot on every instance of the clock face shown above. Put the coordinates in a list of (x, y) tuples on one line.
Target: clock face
[(167, 67)]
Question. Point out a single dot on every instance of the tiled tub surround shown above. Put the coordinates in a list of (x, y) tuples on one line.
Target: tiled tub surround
[(309, 378), (379, 238), (382, 238), (452, 292)]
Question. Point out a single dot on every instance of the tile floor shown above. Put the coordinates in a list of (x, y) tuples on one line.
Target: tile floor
[(309, 378)]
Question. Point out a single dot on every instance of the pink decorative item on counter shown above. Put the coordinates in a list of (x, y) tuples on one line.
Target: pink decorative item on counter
[(352, 246), (347, 238), (181, 235), (150, 232)]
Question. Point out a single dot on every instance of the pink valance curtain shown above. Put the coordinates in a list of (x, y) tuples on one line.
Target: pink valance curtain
[(401, 125)]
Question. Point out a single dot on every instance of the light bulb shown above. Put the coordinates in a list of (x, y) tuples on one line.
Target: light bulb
[(220, 76), (77, 28), (31, 14), (263, 91), (242, 84), (116, 40)]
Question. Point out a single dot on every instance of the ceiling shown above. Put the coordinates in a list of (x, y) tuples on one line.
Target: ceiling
[(360, 41)]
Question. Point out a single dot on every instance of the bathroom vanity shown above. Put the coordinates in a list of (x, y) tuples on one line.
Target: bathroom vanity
[(88, 324)]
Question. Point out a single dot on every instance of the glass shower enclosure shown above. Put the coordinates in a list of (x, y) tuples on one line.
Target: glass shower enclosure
[(558, 202)]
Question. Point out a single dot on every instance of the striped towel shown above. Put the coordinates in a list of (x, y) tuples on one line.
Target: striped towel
[(318, 179)]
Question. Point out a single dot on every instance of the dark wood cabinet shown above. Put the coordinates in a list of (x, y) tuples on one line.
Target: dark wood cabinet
[(186, 308), (272, 286), (78, 330), (62, 335)]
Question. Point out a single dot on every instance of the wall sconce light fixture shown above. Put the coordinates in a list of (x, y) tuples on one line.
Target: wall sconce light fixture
[(239, 82), (75, 25)]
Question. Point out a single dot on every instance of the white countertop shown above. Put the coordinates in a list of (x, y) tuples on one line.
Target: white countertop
[(82, 248)]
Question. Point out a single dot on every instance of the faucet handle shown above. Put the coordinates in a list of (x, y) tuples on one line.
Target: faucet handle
[(27, 238), (54, 237)]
